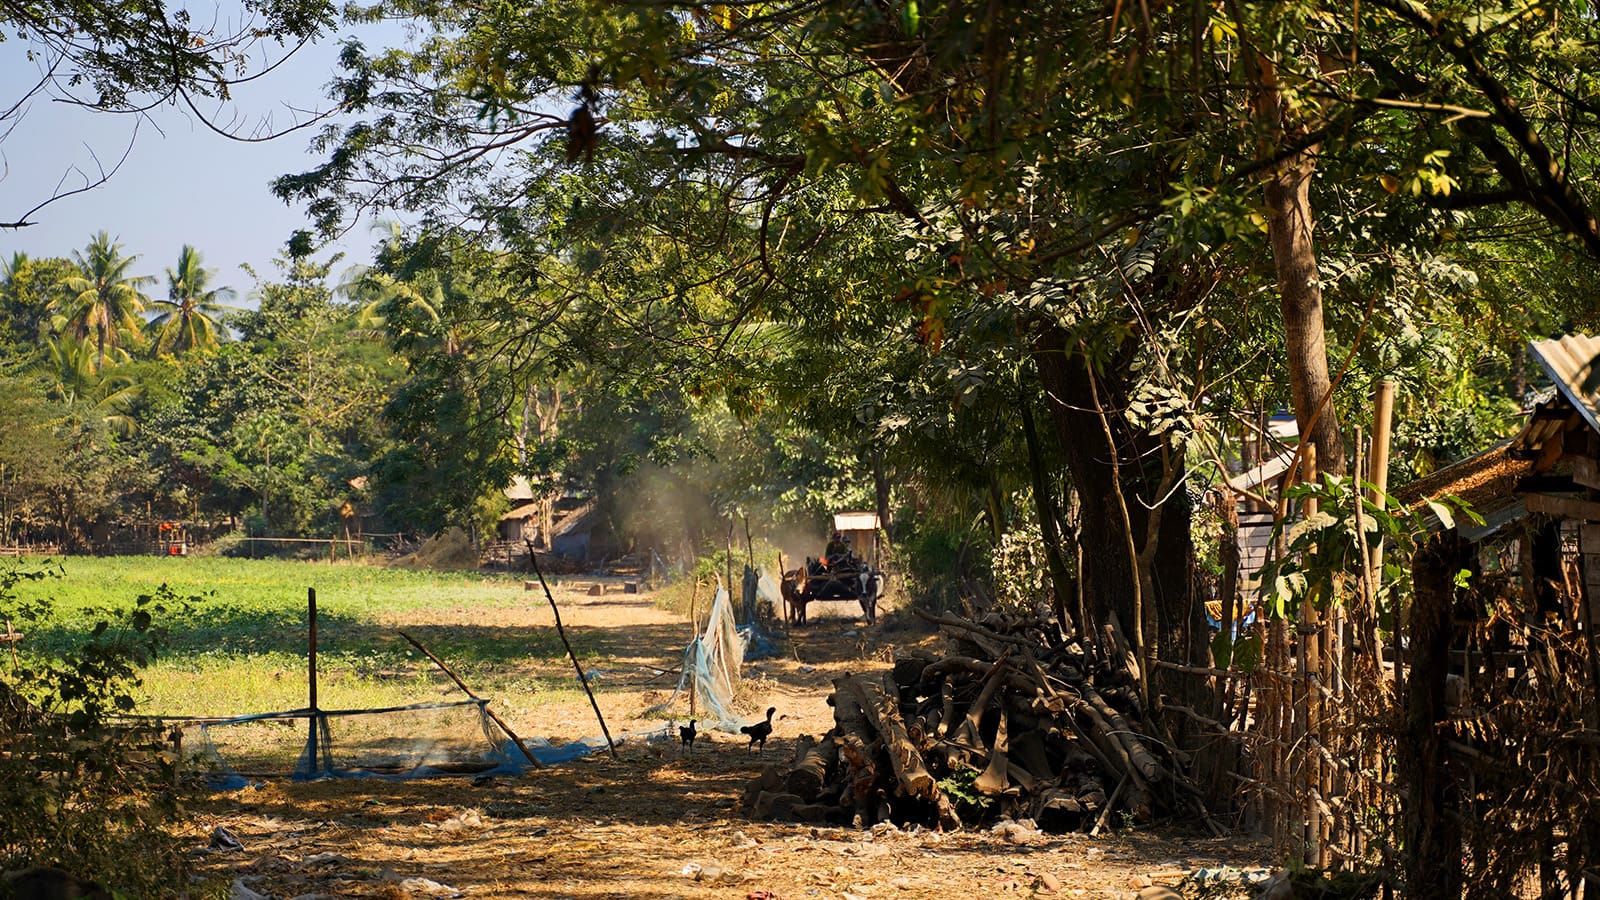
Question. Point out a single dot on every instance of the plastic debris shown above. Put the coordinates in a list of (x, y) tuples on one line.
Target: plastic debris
[(224, 840)]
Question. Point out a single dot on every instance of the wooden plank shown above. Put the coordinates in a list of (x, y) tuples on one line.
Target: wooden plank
[(1589, 540), (1586, 471), (1565, 507)]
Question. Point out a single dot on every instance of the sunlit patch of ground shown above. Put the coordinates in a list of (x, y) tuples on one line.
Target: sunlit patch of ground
[(657, 822)]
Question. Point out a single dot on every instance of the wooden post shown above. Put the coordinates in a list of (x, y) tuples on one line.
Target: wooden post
[(582, 679), (782, 596), (11, 638), (1432, 829), (729, 566), (1309, 664), (311, 675)]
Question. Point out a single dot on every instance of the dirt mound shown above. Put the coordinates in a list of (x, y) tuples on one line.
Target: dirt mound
[(449, 549)]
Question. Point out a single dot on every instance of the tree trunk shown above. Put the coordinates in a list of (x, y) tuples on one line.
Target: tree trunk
[(1300, 299), (880, 492), (1106, 570), (1289, 226), (1044, 504)]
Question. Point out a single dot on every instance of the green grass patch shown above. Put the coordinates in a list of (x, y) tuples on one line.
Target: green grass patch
[(241, 647)]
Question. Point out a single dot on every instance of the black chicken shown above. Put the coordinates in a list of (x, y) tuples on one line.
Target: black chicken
[(760, 731), (686, 734)]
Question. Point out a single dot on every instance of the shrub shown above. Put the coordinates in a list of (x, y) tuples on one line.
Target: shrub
[(80, 790)]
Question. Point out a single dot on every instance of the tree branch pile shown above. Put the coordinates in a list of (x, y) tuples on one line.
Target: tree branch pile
[(1014, 720)]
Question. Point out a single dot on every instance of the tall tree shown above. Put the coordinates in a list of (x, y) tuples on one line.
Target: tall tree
[(188, 319), (27, 288), (102, 302)]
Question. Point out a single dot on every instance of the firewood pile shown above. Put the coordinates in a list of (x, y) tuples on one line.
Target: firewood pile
[(1015, 720)]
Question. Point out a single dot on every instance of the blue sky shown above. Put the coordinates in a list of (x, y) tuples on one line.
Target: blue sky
[(182, 183)]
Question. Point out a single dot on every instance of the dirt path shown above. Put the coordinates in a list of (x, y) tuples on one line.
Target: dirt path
[(658, 822)]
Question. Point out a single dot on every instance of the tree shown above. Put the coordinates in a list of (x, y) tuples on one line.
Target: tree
[(27, 288), (1057, 184), (188, 320), (102, 301), (84, 385), (129, 56)]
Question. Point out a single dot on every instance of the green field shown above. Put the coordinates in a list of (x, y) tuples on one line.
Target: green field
[(241, 647)]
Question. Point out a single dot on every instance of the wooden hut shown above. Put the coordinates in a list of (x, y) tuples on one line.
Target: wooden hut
[(862, 530), (1545, 480)]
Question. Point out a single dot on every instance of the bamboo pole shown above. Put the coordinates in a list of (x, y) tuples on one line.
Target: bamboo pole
[(1309, 703), (582, 679), (1378, 464), (484, 703), (11, 638)]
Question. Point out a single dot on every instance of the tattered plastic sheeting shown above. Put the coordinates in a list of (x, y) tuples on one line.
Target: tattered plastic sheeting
[(711, 670), (759, 588), (767, 590)]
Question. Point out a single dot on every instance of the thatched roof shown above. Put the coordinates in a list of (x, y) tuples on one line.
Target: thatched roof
[(1486, 483)]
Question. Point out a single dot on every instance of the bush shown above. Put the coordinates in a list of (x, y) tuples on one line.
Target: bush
[(80, 791)]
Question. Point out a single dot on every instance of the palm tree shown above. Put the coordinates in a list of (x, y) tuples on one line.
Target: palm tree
[(189, 316), (87, 388), (103, 301)]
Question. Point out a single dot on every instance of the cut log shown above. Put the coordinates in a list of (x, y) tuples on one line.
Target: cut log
[(770, 805), (968, 732), (808, 774), (909, 770), (996, 776), (861, 775), (769, 781), (1150, 768), (848, 717)]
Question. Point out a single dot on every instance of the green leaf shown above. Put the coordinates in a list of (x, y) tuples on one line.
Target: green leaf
[(1221, 649), (910, 17), (1247, 652), (1442, 512)]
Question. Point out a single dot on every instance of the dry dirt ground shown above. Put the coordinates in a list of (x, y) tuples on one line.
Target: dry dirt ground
[(656, 822)]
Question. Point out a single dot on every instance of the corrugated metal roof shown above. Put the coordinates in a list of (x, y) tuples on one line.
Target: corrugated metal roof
[(855, 521), (1570, 361), (1252, 478)]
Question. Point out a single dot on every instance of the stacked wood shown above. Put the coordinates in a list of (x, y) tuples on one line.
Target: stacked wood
[(1014, 720)]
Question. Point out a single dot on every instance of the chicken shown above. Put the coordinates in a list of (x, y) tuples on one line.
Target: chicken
[(686, 734), (760, 731)]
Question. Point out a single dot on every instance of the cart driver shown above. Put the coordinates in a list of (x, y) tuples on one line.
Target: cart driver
[(838, 548)]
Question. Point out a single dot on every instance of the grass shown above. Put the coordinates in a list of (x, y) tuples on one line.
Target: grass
[(241, 647)]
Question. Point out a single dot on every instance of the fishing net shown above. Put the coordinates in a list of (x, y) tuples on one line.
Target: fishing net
[(395, 742)]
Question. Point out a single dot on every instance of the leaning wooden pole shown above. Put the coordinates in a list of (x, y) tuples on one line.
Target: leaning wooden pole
[(482, 703), (582, 679), (694, 649)]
